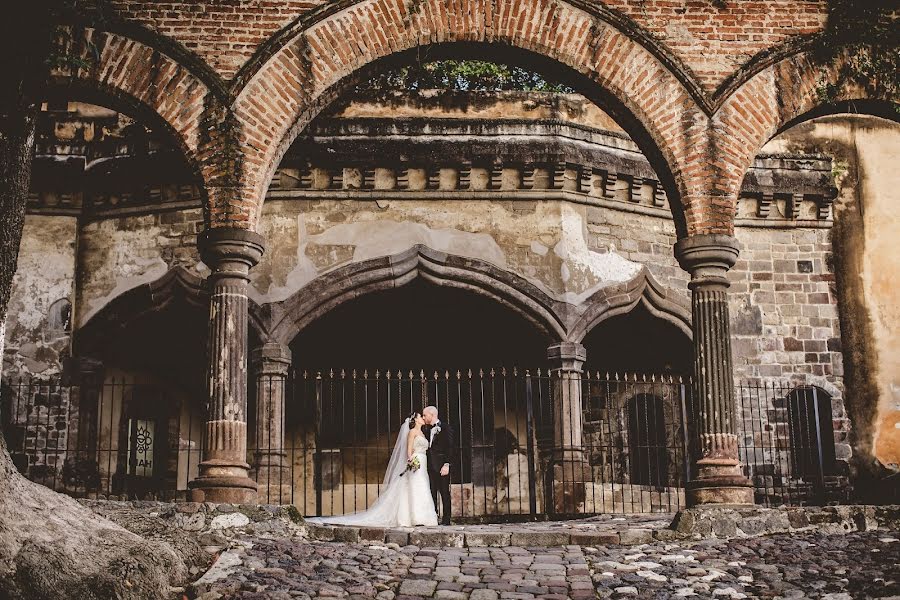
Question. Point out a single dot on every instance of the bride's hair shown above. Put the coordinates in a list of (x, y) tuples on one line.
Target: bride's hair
[(412, 419)]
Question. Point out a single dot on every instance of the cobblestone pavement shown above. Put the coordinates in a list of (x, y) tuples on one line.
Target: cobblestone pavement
[(799, 565)]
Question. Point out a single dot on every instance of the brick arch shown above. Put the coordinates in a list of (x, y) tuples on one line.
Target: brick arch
[(142, 81), (300, 78), (783, 94)]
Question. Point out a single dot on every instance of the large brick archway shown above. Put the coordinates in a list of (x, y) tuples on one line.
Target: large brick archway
[(298, 80), (141, 77)]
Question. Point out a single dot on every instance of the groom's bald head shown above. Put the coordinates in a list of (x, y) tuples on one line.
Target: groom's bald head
[(431, 414)]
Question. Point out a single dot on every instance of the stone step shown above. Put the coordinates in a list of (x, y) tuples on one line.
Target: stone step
[(501, 536)]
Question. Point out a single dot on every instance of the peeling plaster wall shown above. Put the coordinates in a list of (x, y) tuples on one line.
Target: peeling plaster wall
[(119, 254), (45, 274), (544, 242), (866, 152)]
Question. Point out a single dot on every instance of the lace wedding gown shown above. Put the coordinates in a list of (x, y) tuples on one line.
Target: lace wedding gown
[(405, 500)]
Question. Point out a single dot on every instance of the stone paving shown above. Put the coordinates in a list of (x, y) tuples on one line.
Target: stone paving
[(799, 565)]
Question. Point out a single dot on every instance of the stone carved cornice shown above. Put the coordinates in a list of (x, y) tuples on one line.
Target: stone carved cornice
[(385, 159)]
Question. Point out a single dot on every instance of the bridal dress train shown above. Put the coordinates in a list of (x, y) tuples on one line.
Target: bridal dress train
[(405, 501)]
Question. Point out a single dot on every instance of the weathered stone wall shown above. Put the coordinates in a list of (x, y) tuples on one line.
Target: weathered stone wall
[(118, 254), (37, 330), (865, 265)]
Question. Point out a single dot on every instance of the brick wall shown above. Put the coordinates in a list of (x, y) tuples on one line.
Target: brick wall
[(712, 41)]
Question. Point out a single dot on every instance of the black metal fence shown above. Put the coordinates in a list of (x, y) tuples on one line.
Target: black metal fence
[(321, 441)]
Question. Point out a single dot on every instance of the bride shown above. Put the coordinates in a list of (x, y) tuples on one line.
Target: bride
[(405, 500)]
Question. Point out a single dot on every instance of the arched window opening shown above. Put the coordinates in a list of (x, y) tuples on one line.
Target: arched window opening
[(647, 451), (371, 361), (639, 342), (811, 433), (59, 318)]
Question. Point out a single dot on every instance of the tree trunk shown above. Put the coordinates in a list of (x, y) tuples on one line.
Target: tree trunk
[(50, 545)]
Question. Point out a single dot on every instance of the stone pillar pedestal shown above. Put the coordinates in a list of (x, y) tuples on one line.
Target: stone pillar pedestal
[(230, 254), (718, 478), (569, 470), (271, 363)]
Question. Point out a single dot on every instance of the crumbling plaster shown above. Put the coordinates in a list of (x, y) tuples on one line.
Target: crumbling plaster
[(45, 274), (544, 242), (866, 238)]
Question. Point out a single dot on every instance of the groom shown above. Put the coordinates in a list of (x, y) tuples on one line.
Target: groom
[(440, 451)]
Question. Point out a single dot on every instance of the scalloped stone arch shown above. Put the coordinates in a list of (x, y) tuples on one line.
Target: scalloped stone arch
[(176, 285), (293, 85), (620, 299), (358, 279), (762, 105)]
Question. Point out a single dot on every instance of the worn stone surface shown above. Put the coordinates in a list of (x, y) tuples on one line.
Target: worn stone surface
[(802, 565)]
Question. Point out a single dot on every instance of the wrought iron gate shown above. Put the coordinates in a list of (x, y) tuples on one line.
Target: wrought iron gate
[(327, 449)]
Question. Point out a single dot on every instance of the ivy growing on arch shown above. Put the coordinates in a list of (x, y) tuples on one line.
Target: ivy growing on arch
[(462, 75), (869, 32)]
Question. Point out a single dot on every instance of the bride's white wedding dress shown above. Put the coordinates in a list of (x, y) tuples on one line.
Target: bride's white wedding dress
[(405, 501)]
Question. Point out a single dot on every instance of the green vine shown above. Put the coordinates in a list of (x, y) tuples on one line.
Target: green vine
[(866, 33)]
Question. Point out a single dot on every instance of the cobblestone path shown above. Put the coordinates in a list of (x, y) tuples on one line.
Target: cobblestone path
[(808, 565)]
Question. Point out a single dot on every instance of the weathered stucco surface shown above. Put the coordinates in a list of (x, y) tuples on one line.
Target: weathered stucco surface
[(439, 104), (544, 242), (45, 274), (116, 255), (866, 238)]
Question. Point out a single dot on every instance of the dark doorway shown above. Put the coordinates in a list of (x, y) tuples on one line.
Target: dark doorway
[(419, 326), (811, 433), (638, 342), (647, 440)]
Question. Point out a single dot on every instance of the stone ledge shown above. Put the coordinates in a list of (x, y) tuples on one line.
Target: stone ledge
[(722, 522), (693, 523)]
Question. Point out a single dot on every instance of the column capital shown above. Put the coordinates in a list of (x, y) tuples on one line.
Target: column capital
[(707, 257), (240, 247), (568, 356), (271, 358)]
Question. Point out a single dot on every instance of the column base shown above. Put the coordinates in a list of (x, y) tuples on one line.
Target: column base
[(223, 481), (728, 490)]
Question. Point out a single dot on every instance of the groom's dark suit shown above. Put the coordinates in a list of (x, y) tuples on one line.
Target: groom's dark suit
[(440, 453)]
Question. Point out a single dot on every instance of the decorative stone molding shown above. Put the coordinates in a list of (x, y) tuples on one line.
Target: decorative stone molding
[(377, 158)]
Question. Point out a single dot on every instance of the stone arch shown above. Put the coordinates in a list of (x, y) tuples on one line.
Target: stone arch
[(619, 299), (782, 94), (306, 72), (352, 281), (176, 285)]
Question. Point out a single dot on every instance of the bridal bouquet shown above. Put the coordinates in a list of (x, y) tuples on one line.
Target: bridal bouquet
[(412, 464)]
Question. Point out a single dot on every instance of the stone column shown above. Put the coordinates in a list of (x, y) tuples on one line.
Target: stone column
[(271, 363), (569, 469), (718, 478), (87, 375), (230, 254)]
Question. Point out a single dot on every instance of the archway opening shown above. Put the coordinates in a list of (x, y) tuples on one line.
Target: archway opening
[(419, 327), (368, 363), (638, 342)]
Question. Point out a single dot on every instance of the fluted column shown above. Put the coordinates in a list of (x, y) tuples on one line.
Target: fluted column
[(569, 469), (271, 363), (718, 478), (230, 254)]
